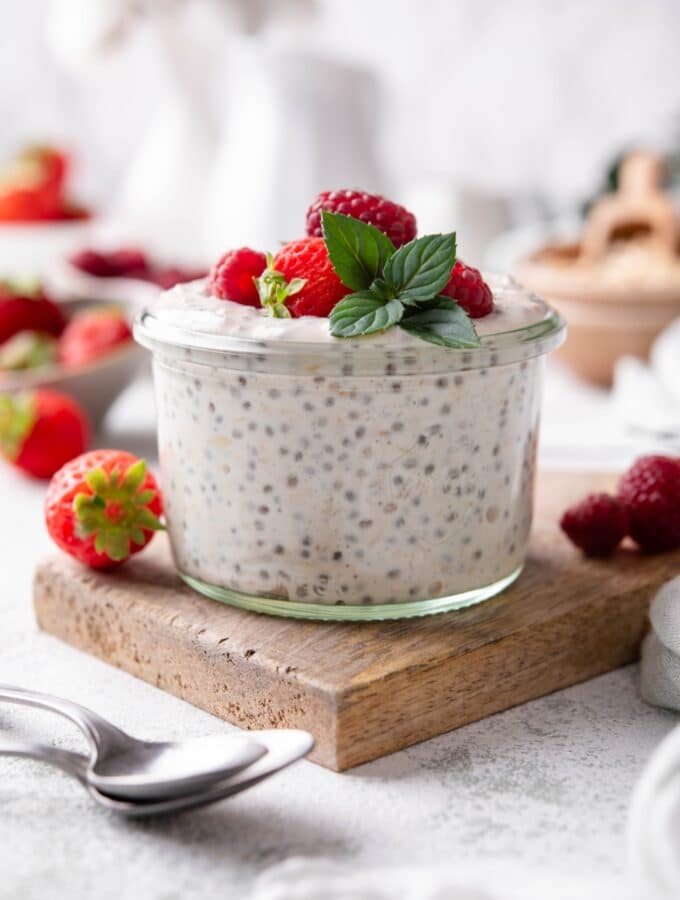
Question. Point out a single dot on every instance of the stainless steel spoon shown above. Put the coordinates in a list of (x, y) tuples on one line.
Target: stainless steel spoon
[(283, 747), (123, 766)]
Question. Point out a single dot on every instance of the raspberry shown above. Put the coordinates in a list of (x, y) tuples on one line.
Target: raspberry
[(469, 289), (308, 259), (397, 223), (650, 492), (231, 278), (597, 525)]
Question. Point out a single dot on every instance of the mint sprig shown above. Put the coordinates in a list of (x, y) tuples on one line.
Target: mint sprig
[(394, 286), (357, 250)]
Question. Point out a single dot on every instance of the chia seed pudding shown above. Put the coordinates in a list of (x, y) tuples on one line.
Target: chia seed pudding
[(372, 477)]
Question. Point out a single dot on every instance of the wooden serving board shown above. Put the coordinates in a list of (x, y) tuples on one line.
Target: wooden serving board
[(366, 690)]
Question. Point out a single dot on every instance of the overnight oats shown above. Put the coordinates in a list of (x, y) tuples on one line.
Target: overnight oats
[(348, 466)]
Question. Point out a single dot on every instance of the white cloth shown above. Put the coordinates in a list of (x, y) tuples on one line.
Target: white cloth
[(652, 869), (646, 397)]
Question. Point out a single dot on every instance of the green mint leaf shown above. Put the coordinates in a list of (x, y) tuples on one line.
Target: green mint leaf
[(441, 321), (421, 269), (363, 313), (358, 251)]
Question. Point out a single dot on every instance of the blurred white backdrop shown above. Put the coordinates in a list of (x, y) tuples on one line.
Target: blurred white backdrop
[(479, 113)]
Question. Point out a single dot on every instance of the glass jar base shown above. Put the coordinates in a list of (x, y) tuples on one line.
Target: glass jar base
[(290, 609)]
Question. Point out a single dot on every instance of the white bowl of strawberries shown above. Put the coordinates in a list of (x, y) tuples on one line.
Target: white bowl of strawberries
[(82, 349)]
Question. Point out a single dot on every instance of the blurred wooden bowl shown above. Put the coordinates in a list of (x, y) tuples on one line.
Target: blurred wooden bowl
[(609, 318)]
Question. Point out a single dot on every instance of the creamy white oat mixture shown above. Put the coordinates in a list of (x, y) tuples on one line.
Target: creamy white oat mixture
[(344, 488)]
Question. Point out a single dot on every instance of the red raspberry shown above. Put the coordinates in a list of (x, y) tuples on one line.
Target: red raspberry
[(597, 525), (231, 278), (308, 259), (650, 492), (397, 223), (469, 289)]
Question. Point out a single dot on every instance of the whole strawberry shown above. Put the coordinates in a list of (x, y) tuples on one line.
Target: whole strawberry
[(395, 221), (233, 276), (24, 307), (597, 525), (303, 280), (41, 430), (469, 289), (91, 335), (650, 492), (102, 507)]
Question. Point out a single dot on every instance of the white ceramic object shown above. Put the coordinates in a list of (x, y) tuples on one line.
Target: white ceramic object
[(33, 248), (66, 280)]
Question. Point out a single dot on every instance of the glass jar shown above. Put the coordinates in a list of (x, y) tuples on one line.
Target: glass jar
[(351, 480)]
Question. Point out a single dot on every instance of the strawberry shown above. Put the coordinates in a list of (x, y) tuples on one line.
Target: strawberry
[(92, 334), (41, 430), (27, 350), (24, 307), (31, 186), (302, 279), (102, 507)]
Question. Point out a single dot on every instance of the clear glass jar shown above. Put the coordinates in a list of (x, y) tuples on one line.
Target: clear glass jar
[(349, 480)]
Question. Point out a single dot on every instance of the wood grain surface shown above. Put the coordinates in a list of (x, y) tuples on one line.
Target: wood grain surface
[(365, 690)]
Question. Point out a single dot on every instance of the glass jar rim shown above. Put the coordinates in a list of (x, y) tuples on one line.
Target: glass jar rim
[(269, 355)]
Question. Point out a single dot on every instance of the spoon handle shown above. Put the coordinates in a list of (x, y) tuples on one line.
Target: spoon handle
[(72, 763), (97, 730)]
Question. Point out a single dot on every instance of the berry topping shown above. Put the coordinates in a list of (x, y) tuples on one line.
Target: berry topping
[(597, 525), (102, 507), (469, 289), (395, 221), (650, 492), (32, 188), (93, 334), (41, 430), (305, 261), (24, 307), (233, 276), (128, 262)]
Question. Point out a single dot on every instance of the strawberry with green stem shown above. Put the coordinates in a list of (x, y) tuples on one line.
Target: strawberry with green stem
[(103, 507)]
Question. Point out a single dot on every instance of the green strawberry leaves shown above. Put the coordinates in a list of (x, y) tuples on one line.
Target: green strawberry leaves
[(357, 250), (394, 286), (116, 513), (18, 415), (274, 290)]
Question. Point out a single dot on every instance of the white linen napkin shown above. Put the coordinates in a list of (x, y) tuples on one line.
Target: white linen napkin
[(646, 397)]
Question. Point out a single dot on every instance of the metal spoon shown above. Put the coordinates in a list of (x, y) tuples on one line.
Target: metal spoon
[(284, 746), (123, 766)]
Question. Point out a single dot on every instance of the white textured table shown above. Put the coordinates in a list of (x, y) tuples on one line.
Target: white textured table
[(548, 782)]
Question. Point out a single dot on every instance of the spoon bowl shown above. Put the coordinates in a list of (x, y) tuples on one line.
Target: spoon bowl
[(125, 767)]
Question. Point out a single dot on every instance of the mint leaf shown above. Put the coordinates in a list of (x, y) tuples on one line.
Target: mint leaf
[(363, 313), (358, 251), (441, 321), (421, 269)]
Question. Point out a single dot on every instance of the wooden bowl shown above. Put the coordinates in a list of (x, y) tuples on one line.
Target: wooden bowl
[(609, 317)]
